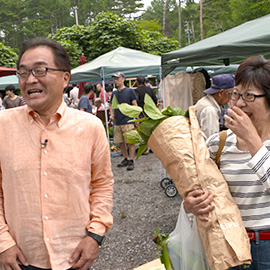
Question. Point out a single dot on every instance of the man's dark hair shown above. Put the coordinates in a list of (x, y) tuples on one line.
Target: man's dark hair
[(74, 84), (61, 58), (10, 87), (255, 71), (87, 88), (140, 80), (109, 88)]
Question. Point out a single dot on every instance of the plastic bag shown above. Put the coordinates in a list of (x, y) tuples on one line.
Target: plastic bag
[(184, 245)]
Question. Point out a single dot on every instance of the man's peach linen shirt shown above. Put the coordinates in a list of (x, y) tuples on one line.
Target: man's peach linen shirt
[(50, 196)]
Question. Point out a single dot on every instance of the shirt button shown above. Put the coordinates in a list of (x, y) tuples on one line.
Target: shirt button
[(46, 217), (45, 151), (46, 196), (45, 129), (47, 239), (45, 173)]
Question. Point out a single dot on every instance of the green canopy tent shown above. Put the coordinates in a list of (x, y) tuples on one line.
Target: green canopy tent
[(6, 80), (231, 46), (131, 62)]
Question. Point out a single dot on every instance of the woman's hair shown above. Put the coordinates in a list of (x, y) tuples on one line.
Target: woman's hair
[(255, 71)]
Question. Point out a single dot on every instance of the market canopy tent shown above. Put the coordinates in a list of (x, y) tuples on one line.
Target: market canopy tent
[(6, 80), (231, 46), (4, 71), (131, 62)]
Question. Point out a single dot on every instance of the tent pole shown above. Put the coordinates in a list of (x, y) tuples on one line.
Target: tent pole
[(104, 98), (163, 89)]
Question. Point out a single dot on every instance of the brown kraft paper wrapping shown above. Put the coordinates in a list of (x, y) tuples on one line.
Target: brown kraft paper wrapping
[(179, 145)]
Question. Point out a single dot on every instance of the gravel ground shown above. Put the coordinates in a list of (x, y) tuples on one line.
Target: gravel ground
[(140, 207)]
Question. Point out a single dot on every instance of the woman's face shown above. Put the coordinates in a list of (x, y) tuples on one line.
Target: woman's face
[(257, 110)]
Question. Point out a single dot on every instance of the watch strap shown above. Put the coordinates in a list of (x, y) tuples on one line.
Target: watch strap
[(100, 239)]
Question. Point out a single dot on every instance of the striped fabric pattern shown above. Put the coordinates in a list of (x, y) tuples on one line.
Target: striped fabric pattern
[(248, 179)]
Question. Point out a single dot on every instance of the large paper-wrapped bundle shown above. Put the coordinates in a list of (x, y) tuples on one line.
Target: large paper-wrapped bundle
[(179, 145)]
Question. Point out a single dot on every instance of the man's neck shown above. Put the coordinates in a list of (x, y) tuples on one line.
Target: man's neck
[(121, 88)]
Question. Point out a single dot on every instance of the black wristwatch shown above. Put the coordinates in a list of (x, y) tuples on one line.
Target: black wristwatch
[(100, 239)]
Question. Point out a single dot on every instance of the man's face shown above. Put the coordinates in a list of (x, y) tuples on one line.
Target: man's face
[(225, 97), (42, 94), (119, 82), (99, 88)]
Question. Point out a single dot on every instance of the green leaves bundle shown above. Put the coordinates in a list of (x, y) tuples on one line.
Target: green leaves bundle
[(152, 118)]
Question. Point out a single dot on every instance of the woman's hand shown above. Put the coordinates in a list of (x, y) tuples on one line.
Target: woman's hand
[(244, 129), (199, 203)]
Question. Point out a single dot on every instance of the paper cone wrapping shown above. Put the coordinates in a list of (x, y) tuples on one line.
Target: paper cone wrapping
[(179, 145)]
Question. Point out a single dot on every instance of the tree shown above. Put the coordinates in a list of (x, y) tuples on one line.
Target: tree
[(125, 8), (246, 10), (8, 57), (156, 12), (22, 20), (216, 17), (107, 32)]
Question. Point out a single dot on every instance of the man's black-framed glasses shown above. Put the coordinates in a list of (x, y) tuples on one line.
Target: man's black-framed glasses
[(37, 72), (246, 96)]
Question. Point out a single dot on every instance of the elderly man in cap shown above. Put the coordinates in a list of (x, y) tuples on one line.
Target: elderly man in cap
[(208, 108), (123, 94)]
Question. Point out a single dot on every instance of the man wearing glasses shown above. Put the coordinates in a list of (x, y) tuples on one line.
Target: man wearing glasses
[(55, 194), (208, 108)]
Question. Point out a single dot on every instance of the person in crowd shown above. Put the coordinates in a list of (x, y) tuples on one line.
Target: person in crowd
[(109, 91), (1, 102), (147, 83), (101, 93), (55, 193), (84, 103), (245, 158), (74, 95), (99, 105), (141, 90), (208, 108), (127, 95), (11, 100)]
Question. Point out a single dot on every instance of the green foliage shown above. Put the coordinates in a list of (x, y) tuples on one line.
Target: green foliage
[(155, 12), (107, 32), (246, 10), (106, 24), (147, 124), (152, 25), (129, 110), (160, 240), (154, 42), (8, 57)]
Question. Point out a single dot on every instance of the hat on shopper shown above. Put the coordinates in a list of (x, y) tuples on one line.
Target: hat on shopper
[(219, 82), (119, 75)]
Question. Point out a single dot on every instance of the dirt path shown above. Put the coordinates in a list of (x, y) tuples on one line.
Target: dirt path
[(140, 207)]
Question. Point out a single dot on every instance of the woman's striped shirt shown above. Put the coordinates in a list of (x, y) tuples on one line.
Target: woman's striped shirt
[(248, 179)]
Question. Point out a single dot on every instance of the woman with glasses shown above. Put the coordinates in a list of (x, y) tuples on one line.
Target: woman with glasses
[(245, 158)]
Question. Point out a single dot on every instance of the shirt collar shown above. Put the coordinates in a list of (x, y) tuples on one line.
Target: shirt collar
[(32, 115)]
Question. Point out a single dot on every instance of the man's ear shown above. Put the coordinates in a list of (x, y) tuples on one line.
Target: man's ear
[(221, 92), (66, 79)]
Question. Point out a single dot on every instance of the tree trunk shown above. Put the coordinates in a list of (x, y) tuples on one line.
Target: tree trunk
[(179, 24), (201, 18), (164, 17)]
